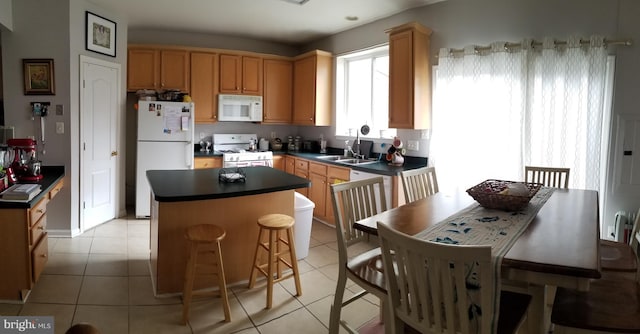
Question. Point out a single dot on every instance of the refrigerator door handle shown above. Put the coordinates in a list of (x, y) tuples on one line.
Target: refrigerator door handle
[(189, 155)]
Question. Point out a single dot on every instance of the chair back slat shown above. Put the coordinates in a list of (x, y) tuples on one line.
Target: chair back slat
[(634, 240), (353, 201), (438, 288), (419, 183), (549, 176)]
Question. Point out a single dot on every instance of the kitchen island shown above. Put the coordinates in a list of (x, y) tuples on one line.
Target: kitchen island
[(181, 198)]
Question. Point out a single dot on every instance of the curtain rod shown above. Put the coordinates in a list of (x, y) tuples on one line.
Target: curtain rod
[(623, 42)]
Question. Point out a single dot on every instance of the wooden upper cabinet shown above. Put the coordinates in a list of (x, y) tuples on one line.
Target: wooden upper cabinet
[(409, 77), (278, 89), (204, 86), (312, 82), (153, 68), (174, 70), (143, 69), (240, 74)]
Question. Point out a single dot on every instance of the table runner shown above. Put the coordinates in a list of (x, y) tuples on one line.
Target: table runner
[(476, 225)]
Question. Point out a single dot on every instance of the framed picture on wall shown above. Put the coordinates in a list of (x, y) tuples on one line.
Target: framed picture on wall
[(101, 35), (38, 77)]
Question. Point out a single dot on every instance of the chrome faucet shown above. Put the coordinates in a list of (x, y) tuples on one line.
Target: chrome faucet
[(356, 154)]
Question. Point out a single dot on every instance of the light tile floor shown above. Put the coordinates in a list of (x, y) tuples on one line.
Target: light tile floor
[(102, 277)]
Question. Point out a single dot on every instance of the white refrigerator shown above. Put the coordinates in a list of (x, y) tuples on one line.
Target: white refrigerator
[(165, 141)]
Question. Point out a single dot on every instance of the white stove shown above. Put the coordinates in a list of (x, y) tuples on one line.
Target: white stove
[(235, 149)]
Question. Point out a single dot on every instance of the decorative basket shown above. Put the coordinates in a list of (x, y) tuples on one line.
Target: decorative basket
[(491, 195), (231, 175)]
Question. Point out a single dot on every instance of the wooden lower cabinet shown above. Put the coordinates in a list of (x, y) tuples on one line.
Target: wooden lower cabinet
[(208, 162), (279, 162), (302, 170), (322, 176), (290, 164), (24, 249)]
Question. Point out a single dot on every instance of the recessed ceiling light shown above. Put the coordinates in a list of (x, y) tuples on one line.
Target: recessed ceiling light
[(351, 18), (297, 2)]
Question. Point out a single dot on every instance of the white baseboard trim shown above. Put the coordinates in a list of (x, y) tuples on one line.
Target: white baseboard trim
[(64, 233)]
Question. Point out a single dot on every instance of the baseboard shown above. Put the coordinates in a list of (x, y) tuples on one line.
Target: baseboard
[(64, 233)]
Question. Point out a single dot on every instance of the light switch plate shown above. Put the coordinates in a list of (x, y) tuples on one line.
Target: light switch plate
[(59, 128), (413, 145)]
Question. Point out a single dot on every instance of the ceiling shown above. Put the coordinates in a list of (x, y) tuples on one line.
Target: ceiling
[(274, 20)]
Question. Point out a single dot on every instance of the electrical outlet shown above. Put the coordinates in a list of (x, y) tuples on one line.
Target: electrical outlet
[(202, 135), (412, 145), (273, 135), (59, 110), (59, 128)]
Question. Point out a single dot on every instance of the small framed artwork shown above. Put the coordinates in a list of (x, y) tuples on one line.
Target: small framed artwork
[(101, 35), (38, 77)]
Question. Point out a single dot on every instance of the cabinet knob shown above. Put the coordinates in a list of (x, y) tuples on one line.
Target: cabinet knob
[(39, 211), (44, 255), (114, 153), (40, 227)]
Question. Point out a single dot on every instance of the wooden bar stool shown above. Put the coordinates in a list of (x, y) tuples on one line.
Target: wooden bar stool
[(204, 239), (272, 225)]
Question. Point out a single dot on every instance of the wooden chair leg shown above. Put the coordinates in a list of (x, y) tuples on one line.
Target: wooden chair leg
[(336, 307), (256, 258), (189, 277), (294, 262), (222, 285), (272, 258)]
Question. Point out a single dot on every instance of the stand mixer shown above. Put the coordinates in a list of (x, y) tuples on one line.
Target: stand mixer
[(25, 164)]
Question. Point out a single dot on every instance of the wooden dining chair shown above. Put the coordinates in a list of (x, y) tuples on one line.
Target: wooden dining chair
[(419, 183), (442, 288), (353, 201), (611, 305), (549, 176)]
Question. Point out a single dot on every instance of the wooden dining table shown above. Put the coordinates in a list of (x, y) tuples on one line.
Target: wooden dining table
[(559, 248)]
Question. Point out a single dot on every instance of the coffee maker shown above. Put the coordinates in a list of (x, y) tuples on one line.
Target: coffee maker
[(25, 164)]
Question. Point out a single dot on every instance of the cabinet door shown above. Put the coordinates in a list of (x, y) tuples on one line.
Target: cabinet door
[(334, 175), (317, 193), (279, 162), (278, 88), (252, 75), (174, 70), (304, 91), (290, 165), (213, 162), (401, 80), (204, 86), (409, 77), (142, 69), (230, 73)]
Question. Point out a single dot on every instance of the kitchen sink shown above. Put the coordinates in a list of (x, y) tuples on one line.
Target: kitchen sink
[(356, 161), (330, 157)]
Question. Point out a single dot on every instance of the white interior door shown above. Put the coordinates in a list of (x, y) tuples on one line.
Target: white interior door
[(100, 86)]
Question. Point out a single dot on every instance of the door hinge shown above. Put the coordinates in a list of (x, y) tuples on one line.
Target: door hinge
[(84, 146), (84, 205), (83, 83)]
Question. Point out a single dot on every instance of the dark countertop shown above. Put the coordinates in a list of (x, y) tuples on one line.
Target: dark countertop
[(51, 176), (381, 167), (203, 184)]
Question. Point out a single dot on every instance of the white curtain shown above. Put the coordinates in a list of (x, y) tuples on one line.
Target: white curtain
[(496, 111)]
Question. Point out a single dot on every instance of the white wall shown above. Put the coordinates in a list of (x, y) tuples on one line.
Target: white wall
[(59, 35)]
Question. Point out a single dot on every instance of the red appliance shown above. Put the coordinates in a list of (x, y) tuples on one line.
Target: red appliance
[(25, 164)]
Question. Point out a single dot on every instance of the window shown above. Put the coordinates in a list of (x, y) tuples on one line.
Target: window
[(362, 93)]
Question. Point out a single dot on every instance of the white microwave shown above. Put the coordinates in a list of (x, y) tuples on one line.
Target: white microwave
[(239, 108)]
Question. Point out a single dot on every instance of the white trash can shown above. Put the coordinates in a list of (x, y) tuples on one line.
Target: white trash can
[(302, 228)]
